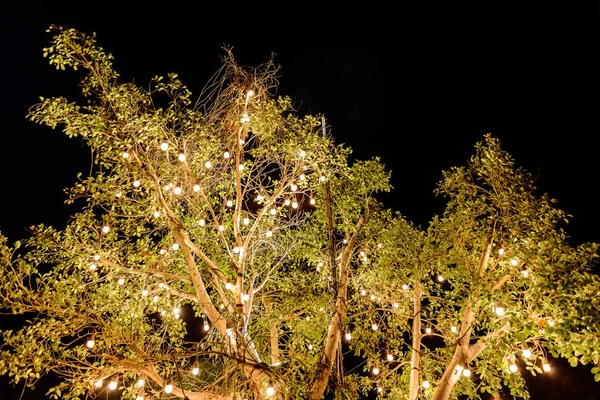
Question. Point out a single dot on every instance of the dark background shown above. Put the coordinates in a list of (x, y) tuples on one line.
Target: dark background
[(417, 87)]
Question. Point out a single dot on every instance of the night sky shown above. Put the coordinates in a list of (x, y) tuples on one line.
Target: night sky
[(417, 87)]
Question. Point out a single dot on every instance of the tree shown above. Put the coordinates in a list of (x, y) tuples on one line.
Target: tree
[(228, 249)]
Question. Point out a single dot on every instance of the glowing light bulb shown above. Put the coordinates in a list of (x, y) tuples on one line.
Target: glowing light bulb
[(202, 222), (310, 346), (175, 246), (226, 155), (379, 389), (121, 281), (426, 384), (119, 194), (208, 164), (196, 188), (312, 202), (241, 167), (155, 299), (181, 157), (245, 297), (273, 211), (259, 198), (499, 311), (546, 367), (348, 336), (93, 267), (206, 327), (294, 187), (156, 214), (372, 297), (250, 93), (229, 203), (390, 357), (98, 383), (322, 178), (169, 389), (270, 391), (302, 153), (396, 305), (162, 251), (551, 323), (501, 252), (246, 221), (467, 373), (141, 382), (294, 204), (405, 287), (526, 353), (453, 329), (144, 293), (106, 229), (379, 245), (236, 250), (287, 202), (90, 343), (97, 257), (176, 310), (112, 385), (228, 286), (221, 228), (302, 177), (513, 368), (269, 233), (241, 142), (428, 330), (136, 183), (375, 371), (164, 146), (125, 155), (162, 312), (177, 190), (195, 371), (525, 273), (139, 397), (514, 262), (440, 278), (374, 327)]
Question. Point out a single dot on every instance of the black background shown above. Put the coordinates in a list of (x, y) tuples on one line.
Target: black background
[(415, 86)]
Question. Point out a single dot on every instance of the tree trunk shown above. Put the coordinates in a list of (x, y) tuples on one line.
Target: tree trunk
[(415, 358)]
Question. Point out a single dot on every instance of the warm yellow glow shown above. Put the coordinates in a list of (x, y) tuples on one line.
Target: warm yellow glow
[(241, 167), (426, 385), (379, 245), (375, 371), (501, 252), (164, 146), (221, 228), (428, 330), (93, 267), (310, 346), (90, 343), (246, 221), (144, 293), (348, 336), (195, 371), (294, 187), (287, 202), (181, 157), (499, 311), (467, 373), (405, 287), (177, 190), (440, 278), (169, 389), (396, 305), (269, 233), (294, 204), (372, 297), (226, 155), (250, 93), (156, 214), (106, 229), (322, 178), (125, 155), (208, 164), (453, 329), (390, 357), (513, 368), (176, 310), (141, 382), (175, 246), (312, 202), (379, 389), (546, 367), (121, 281), (514, 262), (270, 391), (229, 203), (228, 286), (136, 183), (99, 383), (206, 327), (526, 353), (112, 385), (273, 211), (302, 153), (374, 327), (202, 222)]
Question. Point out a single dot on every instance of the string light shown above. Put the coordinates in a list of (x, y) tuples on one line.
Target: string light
[(501, 252), (93, 267), (141, 382), (467, 373), (208, 164), (226, 155), (499, 311), (514, 262), (246, 221), (164, 146), (310, 346), (106, 229), (312, 202), (156, 214), (374, 327), (390, 357), (405, 287), (98, 383), (177, 190), (372, 297), (97, 257), (294, 187), (348, 336), (379, 245), (453, 329), (245, 297), (206, 327), (302, 153), (440, 278), (121, 281), (169, 389), (379, 389), (375, 371), (396, 305), (175, 246), (196, 188), (176, 310), (513, 368), (162, 251), (119, 194), (287, 202), (155, 299), (270, 390), (250, 93), (112, 385), (139, 397), (241, 167), (259, 198), (229, 203), (136, 183), (525, 273), (90, 343), (526, 353), (228, 286), (269, 233), (546, 367), (221, 228), (245, 118), (202, 222), (236, 250), (125, 155), (195, 371), (273, 211), (181, 157), (302, 177), (322, 178), (144, 293), (426, 384), (428, 330)]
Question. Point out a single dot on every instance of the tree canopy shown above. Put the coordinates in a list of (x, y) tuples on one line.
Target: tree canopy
[(227, 248)]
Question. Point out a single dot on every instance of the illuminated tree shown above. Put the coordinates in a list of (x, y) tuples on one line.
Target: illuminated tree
[(227, 249)]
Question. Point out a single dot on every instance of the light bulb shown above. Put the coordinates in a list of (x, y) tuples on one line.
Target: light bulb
[(181, 157), (307, 318), (379, 245), (453, 329), (164, 146), (119, 194), (526, 353), (294, 204), (156, 214), (372, 297), (348, 336), (196, 188), (390, 357), (467, 373), (374, 327), (139, 397), (426, 384), (499, 311), (98, 383), (250, 93), (501, 252), (375, 371), (269, 233), (379, 389), (273, 211), (293, 187), (322, 178), (144, 293), (208, 164), (125, 155), (93, 267), (112, 385), (236, 250), (163, 312), (287, 202), (176, 310), (206, 327), (310, 346), (440, 278), (514, 262), (396, 305), (175, 246), (363, 292), (513, 368), (246, 221), (270, 391), (141, 382), (241, 167), (221, 228), (302, 177), (90, 343), (428, 330), (229, 203), (259, 197), (177, 190), (97, 257), (546, 367), (202, 222), (302, 153), (162, 251), (226, 155), (525, 273), (228, 286), (121, 281), (405, 287), (136, 183), (312, 202), (155, 299), (106, 229), (245, 297), (169, 389)]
